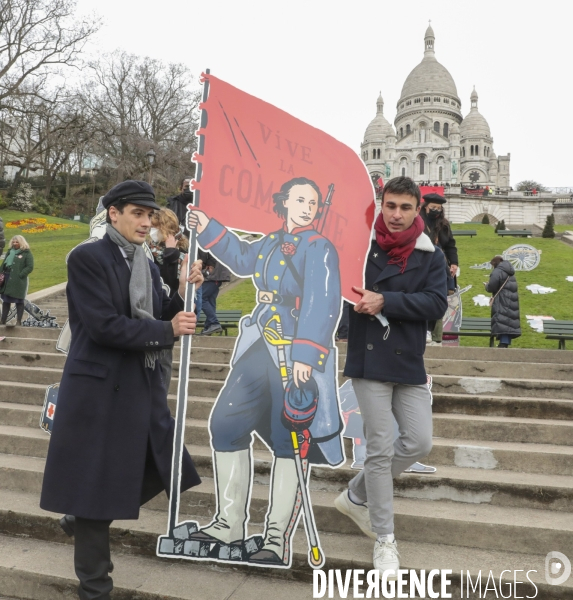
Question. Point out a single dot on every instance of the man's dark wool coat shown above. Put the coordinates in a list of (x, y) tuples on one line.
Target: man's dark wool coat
[(112, 426), (410, 300)]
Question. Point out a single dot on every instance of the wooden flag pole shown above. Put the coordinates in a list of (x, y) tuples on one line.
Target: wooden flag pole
[(185, 359)]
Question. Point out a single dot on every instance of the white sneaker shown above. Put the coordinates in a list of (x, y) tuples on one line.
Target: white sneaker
[(357, 512), (386, 557), (434, 344)]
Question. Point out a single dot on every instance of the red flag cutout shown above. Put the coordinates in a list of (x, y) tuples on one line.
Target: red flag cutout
[(251, 148)]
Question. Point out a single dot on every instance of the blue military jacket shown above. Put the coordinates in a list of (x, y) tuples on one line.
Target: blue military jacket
[(411, 299), (308, 314)]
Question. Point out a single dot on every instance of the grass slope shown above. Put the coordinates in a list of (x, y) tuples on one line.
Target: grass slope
[(556, 264), (49, 248)]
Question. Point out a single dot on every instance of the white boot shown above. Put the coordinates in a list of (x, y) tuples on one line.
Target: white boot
[(233, 481), (284, 505)]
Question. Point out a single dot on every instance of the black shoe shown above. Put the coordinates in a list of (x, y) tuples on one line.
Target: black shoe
[(266, 557), (500, 345), (215, 328), (68, 524)]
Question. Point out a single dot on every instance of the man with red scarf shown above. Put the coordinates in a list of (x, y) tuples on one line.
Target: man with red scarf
[(406, 286)]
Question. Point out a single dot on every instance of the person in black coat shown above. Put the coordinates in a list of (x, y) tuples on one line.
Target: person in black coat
[(440, 232), (112, 440), (178, 204), (502, 284), (405, 286)]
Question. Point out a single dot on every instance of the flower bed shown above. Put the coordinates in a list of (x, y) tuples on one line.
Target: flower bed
[(22, 222), (37, 225)]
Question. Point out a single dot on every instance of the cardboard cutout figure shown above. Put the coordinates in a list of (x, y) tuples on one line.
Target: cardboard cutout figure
[(311, 199), (523, 257), (36, 316), (453, 317)]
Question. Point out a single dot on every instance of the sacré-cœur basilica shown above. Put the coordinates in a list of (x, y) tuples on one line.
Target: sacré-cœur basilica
[(434, 143)]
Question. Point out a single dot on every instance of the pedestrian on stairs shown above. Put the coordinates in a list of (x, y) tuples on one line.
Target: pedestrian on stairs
[(405, 283), (18, 264), (214, 279), (111, 446), (439, 231)]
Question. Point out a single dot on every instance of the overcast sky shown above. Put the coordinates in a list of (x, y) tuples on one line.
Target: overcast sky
[(326, 61)]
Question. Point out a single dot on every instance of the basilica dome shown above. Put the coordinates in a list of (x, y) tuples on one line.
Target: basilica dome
[(474, 125), (429, 75), (379, 127)]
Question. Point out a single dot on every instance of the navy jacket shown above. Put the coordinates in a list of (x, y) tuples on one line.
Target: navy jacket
[(112, 426), (410, 300)]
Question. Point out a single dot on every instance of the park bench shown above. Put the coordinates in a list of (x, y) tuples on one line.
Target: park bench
[(476, 327), (558, 330), (464, 232), (226, 318), (514, 232)]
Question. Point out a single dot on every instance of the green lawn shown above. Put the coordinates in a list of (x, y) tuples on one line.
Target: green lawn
[(556, 264), (562, 228), (49, 248)]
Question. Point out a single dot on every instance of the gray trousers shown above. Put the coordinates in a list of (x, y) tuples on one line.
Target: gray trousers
[(386, 458)]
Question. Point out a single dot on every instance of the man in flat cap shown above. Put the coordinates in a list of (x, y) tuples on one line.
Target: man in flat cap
[(112, 441), (439, 230)]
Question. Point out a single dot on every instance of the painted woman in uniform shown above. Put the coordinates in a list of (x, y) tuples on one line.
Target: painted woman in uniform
[(295, 270)]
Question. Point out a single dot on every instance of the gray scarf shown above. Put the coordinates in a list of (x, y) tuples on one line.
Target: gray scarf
[(140, 288)]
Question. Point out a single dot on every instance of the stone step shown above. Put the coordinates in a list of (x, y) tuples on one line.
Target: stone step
[(503, 429), (547, 459), (23, 393), (503, 406), (53, 360), (461, 404), (523, 388), (468, 485), (42, 570), (508, 456), (215, 373), (45, 333), (23, 344), (489, 368), (466, 427), (532, 356), (528, 531)]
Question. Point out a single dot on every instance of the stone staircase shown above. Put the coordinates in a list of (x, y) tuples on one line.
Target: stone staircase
[(502, 497)]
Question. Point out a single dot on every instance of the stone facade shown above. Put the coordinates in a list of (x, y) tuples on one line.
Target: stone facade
[(431, 140), (514, 208)]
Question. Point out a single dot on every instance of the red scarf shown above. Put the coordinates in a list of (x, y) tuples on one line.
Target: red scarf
[(398, 244)]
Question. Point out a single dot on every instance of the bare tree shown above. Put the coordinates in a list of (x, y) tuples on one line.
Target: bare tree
[(36, 37), (139, 103), (44, 135)]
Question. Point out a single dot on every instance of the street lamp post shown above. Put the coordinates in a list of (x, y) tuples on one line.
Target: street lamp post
[(150, 159)]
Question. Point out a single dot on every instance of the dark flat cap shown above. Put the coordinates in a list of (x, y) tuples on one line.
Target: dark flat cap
[(435, 198), (133, 192)]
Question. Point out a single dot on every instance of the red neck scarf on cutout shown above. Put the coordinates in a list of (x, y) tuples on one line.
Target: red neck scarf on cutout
[(398, 244)]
